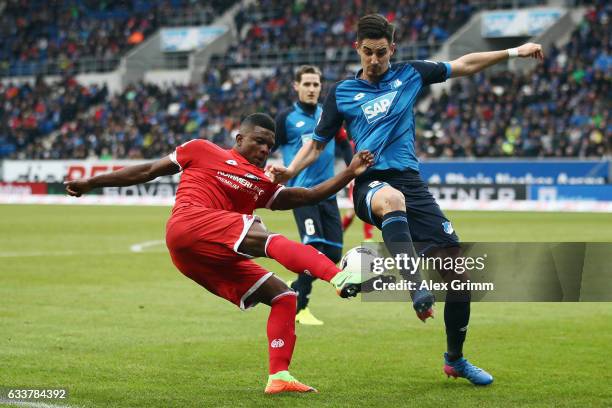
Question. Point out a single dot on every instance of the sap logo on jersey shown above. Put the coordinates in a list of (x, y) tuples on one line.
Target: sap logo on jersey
[(378, 108)]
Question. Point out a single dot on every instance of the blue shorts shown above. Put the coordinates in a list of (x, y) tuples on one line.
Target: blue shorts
[(428, 225), (320, 223)]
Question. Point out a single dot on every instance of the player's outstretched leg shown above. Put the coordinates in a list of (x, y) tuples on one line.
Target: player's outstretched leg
[(398, 241), (300, 258), (389, 206)]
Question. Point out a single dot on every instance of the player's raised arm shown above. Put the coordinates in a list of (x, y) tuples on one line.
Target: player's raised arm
[(294, 197), (308, 154), (477, 61), (127, 176)]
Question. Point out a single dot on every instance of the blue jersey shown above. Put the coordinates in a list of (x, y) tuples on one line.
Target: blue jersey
[(379, 116), (295, 125)]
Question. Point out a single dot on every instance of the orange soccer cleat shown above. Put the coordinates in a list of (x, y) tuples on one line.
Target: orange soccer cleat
[(284, 382)]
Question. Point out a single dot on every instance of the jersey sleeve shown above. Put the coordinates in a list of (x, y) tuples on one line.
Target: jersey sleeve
[(185, 154), (432, 72), (270, 195), (281, 129), (331, 119)]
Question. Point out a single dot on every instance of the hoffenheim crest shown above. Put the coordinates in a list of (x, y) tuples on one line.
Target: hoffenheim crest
[(448, 227)]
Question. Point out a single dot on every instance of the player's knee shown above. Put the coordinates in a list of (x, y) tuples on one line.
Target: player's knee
[(388, 199), (394, 201)]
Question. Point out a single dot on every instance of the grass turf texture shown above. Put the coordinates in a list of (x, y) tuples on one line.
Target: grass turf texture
[(79, 310)]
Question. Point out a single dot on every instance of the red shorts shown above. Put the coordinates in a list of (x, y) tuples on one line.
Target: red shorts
[(203, 244)]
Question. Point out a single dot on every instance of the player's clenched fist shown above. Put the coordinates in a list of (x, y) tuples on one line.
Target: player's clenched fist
[(278, 174), (76, 188), (361, 161), (531, 50)]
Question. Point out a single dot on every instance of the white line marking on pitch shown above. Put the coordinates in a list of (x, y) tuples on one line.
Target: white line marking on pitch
[(139, 247), (33, 404)]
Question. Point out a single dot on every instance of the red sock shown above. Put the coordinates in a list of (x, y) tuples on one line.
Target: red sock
[(300, 258), (346, 221), (367, 230), (281, 331)]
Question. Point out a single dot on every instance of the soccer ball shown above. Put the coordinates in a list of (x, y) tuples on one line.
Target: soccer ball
[(360, 260)]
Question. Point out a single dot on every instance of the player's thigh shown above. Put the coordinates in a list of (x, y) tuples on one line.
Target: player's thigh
[(429, 227), (309, 223), (372, 199), (216, 235), (255, 241), (235, 280)]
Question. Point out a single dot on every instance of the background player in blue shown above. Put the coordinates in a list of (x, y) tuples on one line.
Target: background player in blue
[(377, 107), (319, 225)]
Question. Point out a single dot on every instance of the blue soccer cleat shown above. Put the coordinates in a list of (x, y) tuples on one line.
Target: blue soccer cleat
[(422, 302), (462, 368)]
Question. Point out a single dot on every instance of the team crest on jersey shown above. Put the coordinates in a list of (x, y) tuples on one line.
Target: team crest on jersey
[(448, 227), (232, 162), (378, 108), (396, 84), (251, 176), (300, 124)]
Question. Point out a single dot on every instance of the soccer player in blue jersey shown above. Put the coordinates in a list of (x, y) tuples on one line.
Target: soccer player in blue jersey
[(319, 225), (377, 109)]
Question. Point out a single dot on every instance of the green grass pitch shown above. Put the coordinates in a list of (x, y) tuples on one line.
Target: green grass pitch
[(123, 329)]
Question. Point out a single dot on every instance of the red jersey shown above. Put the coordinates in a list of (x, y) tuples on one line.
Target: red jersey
[(220, 179)]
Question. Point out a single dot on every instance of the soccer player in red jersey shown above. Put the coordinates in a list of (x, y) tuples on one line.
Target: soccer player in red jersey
[(212, 232)]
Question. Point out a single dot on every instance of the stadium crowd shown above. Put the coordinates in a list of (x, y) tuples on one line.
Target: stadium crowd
[(287, 26), (56, 36), (562, 108), (319, 31), (28, 113)]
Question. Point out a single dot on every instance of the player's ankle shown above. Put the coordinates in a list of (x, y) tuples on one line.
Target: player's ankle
[(281, 375), (453, 356)]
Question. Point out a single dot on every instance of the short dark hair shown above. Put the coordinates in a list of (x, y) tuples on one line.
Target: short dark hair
[(374, 27), (260, 119), (306, 69)]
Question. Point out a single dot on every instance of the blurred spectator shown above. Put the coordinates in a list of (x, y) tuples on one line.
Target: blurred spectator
[(50, 35), (560, 109), (28, 112)]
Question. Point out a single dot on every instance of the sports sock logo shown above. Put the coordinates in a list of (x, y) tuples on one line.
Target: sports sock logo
[(277, 343)]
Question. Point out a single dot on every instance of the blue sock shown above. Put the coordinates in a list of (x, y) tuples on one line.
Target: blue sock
[(396, 234)]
